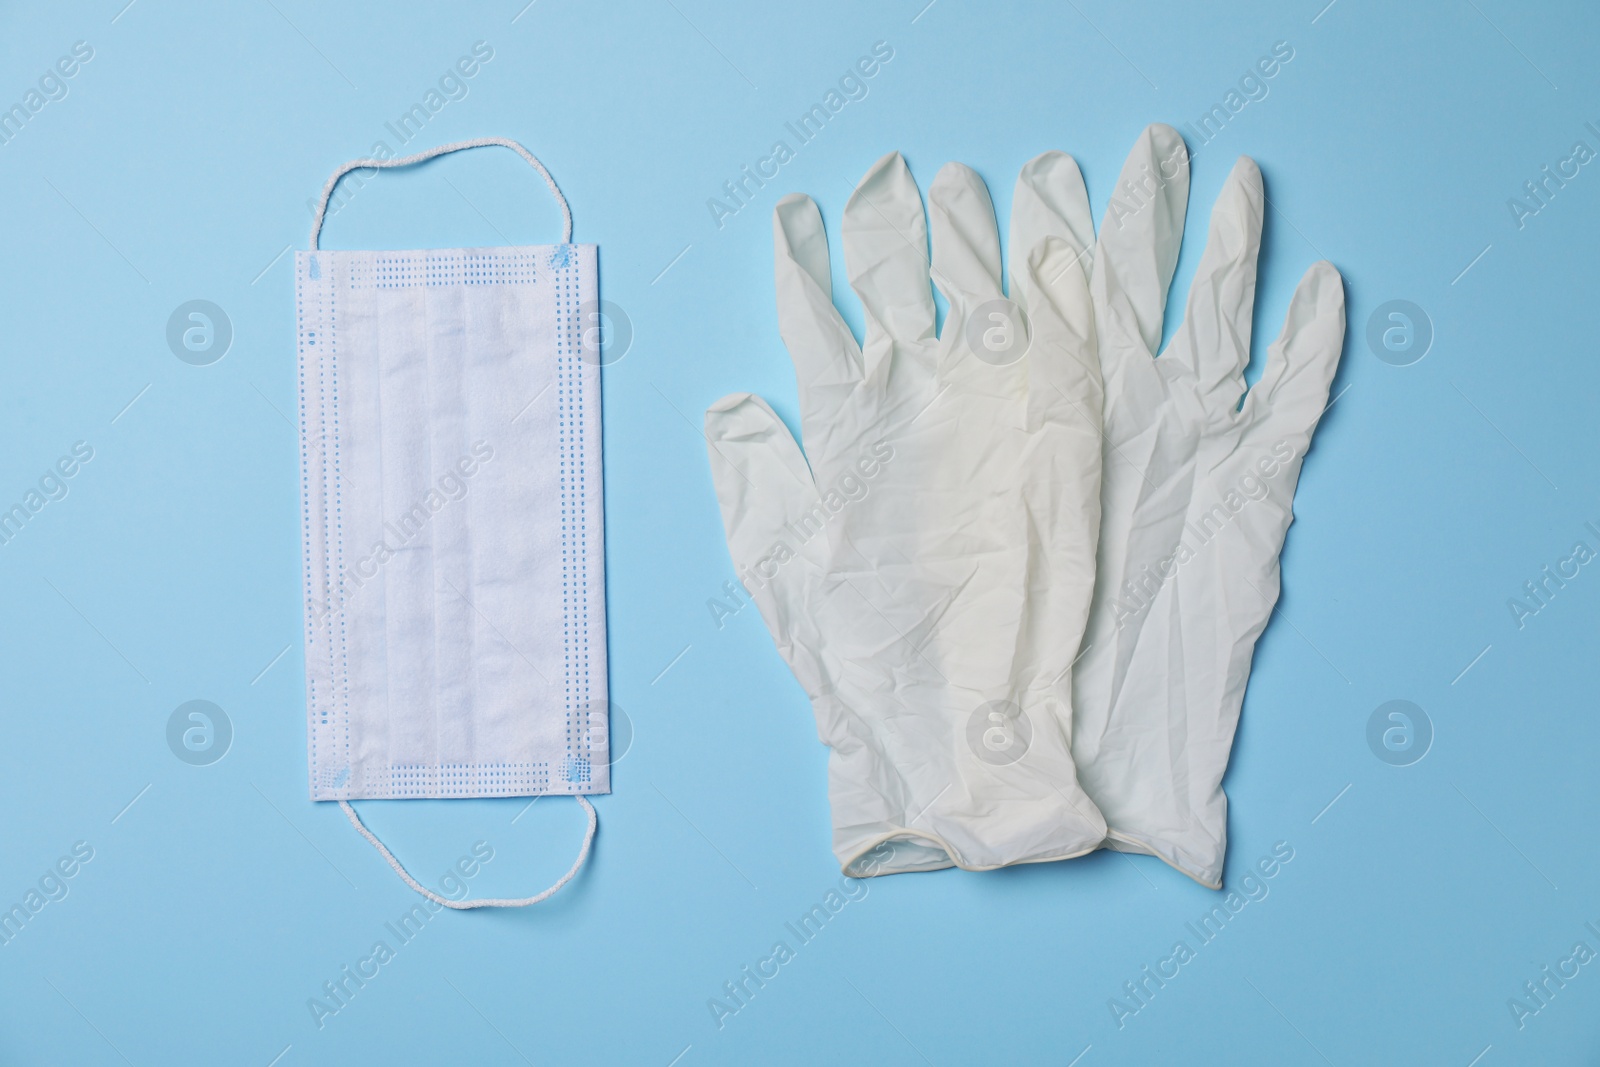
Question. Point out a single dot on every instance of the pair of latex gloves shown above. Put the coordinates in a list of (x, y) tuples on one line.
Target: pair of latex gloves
[(1021, 565)]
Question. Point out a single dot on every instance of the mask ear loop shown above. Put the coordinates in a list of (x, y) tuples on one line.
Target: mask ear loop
[(566, 238), (442, 150), (468, 905)]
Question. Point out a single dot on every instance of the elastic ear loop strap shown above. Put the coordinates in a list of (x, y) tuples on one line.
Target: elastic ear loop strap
[(468, 905), (444, 149), (566, 238)]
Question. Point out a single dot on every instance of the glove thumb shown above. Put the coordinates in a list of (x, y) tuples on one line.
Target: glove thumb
[(768, 498)]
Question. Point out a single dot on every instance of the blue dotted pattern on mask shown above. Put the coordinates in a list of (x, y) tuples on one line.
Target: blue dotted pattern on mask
[(571, 432), (432, 268), (319, 446)]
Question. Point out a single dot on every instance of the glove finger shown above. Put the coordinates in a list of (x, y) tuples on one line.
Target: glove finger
[(1052, 235), (763, 484), (1139, 239), (1293, 391), (886, 255), (966, 241), (1214, 341), (1064, 382), (827, 363), (1050, 201)]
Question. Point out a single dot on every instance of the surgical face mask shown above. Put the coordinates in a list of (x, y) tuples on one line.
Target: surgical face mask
[(452, 526)]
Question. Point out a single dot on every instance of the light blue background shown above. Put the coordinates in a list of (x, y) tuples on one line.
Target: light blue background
[(179, 166)]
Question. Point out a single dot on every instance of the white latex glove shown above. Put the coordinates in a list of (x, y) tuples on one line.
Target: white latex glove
[(1196, 498), (926, 566)]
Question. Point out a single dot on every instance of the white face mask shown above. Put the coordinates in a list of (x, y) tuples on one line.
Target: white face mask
[(452, 525)]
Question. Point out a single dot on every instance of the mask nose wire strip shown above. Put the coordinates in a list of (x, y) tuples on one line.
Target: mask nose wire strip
[(468, 905), (444, 149)]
